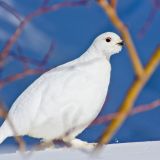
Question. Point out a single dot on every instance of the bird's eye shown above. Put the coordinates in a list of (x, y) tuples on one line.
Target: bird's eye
[(108, 39)]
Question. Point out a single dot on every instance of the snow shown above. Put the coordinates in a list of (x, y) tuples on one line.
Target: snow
[(119, 151)]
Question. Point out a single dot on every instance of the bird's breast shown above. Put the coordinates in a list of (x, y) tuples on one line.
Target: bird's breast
[(98, 73), (97, 78)]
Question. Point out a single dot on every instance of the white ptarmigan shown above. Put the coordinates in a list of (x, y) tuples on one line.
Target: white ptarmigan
[(62, 102)]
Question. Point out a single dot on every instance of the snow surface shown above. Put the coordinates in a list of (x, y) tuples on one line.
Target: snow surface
[(120, 151)]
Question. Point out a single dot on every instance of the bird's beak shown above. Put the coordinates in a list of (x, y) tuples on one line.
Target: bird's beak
[(120, 43)]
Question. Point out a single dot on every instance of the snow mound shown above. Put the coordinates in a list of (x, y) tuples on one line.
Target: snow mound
[(120, 151)]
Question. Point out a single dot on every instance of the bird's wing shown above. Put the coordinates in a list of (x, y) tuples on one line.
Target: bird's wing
[(54, 89)]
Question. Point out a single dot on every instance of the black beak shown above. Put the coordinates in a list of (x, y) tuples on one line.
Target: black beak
[(121, 43)]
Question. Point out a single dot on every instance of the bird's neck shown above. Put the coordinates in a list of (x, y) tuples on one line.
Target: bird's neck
[(94, 53)]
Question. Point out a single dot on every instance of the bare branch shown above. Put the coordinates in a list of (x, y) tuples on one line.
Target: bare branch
[(3, 113), (28, 18), (36, 62), (135, 110), (113, 3), (130, 98), (21, 75), (150, 18), (10, 9), (125, 34), (27, 71)]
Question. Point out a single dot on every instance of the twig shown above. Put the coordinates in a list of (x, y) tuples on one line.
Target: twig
[(150, 18), (130, 98), (38, 63), (45, 2), (135, 110), (28, 18), (20, 75), (27, 71), (10, 9), (125, 34), (113, 3), (3, 113)]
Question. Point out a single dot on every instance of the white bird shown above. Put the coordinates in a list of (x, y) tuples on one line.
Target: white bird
[(62, 102)]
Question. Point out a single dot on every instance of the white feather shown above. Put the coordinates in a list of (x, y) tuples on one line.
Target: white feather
[(62, 102)]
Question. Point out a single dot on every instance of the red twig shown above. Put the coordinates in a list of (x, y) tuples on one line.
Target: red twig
[(28, 18), (25, 59), (20, 75), (27, 71), (10, 9), (135, 110), (150, 18), (113, 3), (47, 55)]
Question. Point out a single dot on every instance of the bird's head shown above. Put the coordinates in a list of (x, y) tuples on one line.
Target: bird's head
[(108, 43)]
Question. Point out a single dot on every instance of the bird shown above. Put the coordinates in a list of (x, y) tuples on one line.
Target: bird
[(64, 101)]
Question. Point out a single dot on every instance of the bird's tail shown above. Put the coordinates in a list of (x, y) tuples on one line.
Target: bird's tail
[(5, 131), (3, 136)]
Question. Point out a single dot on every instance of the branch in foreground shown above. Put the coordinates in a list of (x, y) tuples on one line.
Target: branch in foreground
[(130, 98), (125, 34)]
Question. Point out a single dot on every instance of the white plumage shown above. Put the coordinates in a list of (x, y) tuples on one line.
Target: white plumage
[(62, 102)]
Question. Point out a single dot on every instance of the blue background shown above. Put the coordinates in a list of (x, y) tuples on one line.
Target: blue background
[(72, 30)]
